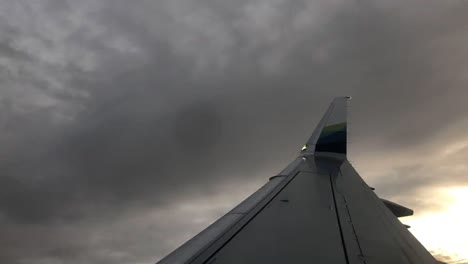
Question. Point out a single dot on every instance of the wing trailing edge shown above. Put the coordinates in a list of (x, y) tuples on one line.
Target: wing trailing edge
[(397, 210)]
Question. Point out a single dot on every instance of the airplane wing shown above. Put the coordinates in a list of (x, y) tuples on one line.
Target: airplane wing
[(317, 210)]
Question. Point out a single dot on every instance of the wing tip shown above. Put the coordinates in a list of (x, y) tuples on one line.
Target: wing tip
[(330, 136)]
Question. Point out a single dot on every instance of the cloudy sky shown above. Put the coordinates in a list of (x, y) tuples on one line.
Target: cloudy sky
[(126, 127)]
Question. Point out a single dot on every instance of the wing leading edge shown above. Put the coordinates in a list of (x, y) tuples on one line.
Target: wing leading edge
[(317, 209)]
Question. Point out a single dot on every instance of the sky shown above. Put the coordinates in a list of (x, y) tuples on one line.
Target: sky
[(126, 127)]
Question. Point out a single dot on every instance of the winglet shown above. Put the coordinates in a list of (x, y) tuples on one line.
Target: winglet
[(330, 136)]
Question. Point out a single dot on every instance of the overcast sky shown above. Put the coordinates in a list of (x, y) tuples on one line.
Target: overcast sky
[(126, 127)]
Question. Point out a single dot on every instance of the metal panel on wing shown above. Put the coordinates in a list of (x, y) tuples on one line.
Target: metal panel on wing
[(301, 218)]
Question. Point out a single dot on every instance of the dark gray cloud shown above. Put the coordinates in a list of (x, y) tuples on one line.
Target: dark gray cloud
[(118, 119)]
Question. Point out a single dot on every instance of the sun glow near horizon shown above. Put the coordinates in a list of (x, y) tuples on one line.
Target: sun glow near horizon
[(445, 232)]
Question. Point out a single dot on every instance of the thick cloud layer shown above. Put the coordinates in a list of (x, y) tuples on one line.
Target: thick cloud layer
[(121, 121)]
